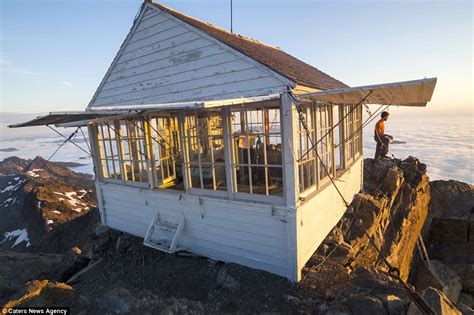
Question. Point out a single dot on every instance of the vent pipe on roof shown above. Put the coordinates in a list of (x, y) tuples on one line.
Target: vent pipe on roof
[(231, 18)]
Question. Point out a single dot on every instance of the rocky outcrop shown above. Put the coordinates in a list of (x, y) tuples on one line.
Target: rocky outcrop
[(449, 232), (37, 197), (439, 303), (391, 210), (18, 268)]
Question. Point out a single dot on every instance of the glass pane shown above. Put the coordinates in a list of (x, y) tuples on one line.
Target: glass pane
[(274, 150), (195, 176), (258, 180), (241, 149), (275, 181), (274, 120), (104, 169), (236, 122), (207, 177), (218, 149), (220, 177), (242, 177), (256, 146)]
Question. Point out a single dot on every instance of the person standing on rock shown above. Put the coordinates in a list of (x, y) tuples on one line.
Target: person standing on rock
[(382, 139)]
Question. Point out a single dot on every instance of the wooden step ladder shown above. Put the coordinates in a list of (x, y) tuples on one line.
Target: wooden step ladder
[(164, 235)]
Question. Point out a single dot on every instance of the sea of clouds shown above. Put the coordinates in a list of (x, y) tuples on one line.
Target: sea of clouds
[(444, 142)]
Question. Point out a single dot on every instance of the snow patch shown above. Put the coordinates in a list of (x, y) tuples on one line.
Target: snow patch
[(72, 196), (12, 187), (20, 235), (32, 174), (49, 221), (56, 211)]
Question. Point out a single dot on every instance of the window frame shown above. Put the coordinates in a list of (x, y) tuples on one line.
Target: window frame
[(234, 162), (188, 164)]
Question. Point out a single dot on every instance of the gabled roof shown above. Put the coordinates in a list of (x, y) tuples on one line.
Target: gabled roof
[(271, 57)]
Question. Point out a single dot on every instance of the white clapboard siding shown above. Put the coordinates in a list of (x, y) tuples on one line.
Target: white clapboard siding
[(247, 233), (165, 60), (321, 213)]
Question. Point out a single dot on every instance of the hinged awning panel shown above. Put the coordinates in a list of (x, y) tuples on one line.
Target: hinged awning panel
[(77, 118), (60, 118), (407, 93)]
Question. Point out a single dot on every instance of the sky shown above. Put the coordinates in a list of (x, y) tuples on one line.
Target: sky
[(54, 53)]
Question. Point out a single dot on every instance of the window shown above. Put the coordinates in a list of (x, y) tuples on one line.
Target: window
[(325, 151), (205, 146), (122, 148), (167, 157), (109, 151), (353, 124), (338, 134), (257, 150), (306, 157), (134, 150)]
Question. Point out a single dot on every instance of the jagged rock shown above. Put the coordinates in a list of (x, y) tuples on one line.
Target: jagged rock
[(440, 304), (225, 280), (466, 304), (466, 272), (392, 212), (464, 309), (439, 276), (449, 229), (123, 301), (122, 244), (466, 299), (413, 170), (70, 265), (44, 293), (393, 304), (451, 199), (336, 309), (17, 268), (366, 305)]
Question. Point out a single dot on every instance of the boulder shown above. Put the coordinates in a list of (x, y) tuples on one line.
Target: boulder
[(466, 272), (438, 275), (451, 199), (366, 305), (225, 280), (44, 293), (392, 211), (440, 304), (18, 268)]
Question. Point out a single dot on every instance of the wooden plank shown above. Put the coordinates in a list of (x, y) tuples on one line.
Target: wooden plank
[(176, 43), (200, 78), (199, 91), (150, 13), (156, 38), (151, 27), (264, 251), (217, 63), (233, 222), (195, 232), (230, 258), (240, 255), (155, 198), (149, 23), (165, 57)]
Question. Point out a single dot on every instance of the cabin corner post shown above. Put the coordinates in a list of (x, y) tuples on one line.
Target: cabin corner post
[(290, 165), (290, 172), (95, 151), (92, 131)]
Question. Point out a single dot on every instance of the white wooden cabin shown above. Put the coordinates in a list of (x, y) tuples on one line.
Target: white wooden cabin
[(198, 143)]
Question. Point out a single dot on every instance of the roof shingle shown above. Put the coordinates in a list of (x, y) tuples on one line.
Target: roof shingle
[(271, 57)]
